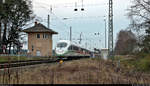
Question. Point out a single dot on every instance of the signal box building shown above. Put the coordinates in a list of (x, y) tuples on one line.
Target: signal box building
[(40, 40)]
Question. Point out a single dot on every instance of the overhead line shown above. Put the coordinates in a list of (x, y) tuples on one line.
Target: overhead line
[(72, 5)]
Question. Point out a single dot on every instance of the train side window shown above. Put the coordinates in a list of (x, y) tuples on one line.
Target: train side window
[(76, 48), (70, 47)]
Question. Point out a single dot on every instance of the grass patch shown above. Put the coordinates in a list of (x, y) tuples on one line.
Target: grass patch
[(141, 62), (20, 58), (83, 71), (144, 64)]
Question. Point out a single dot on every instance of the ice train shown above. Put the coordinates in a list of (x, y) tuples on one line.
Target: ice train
[(66, 48)]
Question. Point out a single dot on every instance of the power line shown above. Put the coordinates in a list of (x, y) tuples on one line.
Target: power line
[(88, 17), (54, 15), (64, 23), (70, 5), (60, 20)]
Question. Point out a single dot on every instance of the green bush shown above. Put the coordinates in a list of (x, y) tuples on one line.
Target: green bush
[(144, 64), (139, 63), (3, 59), (141, 55)]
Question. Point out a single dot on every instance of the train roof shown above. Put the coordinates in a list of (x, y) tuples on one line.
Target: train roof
[(69, 42)]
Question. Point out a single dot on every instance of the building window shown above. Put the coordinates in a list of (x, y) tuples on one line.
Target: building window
[(38, 35), (45, 35), (50, 36)]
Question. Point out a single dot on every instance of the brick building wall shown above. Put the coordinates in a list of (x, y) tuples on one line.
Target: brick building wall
[(40, 46)]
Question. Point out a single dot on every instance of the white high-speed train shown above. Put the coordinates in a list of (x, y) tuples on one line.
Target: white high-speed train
[(65, 48)]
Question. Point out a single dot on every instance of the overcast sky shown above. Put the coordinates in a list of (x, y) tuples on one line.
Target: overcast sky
[(89, 21)]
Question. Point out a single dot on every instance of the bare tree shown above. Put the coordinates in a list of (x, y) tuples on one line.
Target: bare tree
[(139, 13)]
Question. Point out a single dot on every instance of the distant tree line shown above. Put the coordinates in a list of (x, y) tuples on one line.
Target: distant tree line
[(126, 43), (14, 14)]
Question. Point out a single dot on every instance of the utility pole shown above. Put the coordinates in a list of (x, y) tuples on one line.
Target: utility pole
[(110, 27), (98, 34), (80, 38), (48, 21), (105, 34), (70, 33), (86, 45)]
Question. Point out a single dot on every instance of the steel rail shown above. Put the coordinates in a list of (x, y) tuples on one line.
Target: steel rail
[(34, 62)]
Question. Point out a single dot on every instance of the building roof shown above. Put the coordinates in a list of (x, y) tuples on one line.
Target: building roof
[(38, 27)]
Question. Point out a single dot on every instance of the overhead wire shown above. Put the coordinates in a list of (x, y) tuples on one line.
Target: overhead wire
[(53, 14), (60, 20), (67, 5), (71, 18)]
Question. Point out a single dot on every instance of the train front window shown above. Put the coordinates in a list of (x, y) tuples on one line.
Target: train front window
[(62, 45)]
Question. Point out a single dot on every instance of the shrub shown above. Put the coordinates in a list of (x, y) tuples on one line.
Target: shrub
[(144, 64), (141, 55)]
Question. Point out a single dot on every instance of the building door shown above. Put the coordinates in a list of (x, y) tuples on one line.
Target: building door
[(38, 53)]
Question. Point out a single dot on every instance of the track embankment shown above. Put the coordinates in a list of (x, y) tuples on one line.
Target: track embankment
[(83, 71)]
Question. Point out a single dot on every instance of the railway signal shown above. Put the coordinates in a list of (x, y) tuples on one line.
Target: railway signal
[(82, 9), (60, 62), (75, 7)]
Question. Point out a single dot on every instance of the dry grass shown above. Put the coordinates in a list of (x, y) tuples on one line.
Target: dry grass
[(75, 72)]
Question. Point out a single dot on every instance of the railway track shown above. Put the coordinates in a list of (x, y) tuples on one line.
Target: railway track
[(33, 62), (24, 63)]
